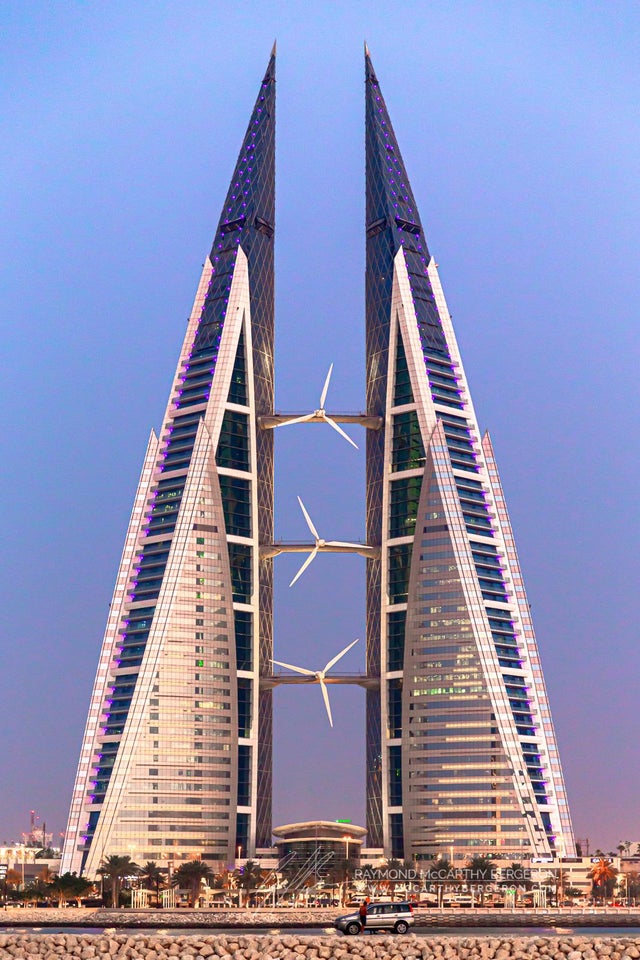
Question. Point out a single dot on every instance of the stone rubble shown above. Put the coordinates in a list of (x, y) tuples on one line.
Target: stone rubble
[(288, 946)]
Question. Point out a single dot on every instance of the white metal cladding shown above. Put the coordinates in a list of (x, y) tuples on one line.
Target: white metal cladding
[(78, 813), (150, 740), (441, 519), (532, 668), (158, 756), (403, 323)]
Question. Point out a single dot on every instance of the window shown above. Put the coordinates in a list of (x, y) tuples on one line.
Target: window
[(244, 707), (236, 502), (407, 449), (238, 385), (403, 511), (233, 445), (397, 836), (244, 639), (395, 776), (395, 707), (241, 579), (399, 567), (244, 776), (242, 833), (396, 622), (402, 392)]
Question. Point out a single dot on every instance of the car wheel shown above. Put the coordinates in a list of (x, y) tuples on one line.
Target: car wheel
[(352, 929), (401, 926)]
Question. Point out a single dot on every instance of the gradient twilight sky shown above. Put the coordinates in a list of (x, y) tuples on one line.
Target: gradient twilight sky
[(520, 129)]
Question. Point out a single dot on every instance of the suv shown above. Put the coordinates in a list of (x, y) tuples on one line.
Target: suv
[(380, 916)]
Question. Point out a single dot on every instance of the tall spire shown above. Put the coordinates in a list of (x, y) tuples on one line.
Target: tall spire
[(393, 221), (249, 207), (186, 501), (389, 192), (445, 600)]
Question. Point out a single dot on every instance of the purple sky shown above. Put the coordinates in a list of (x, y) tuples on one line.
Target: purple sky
[(519, 126)]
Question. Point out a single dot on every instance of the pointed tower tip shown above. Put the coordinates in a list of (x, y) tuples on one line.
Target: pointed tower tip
[(369, 72), (273, 49)]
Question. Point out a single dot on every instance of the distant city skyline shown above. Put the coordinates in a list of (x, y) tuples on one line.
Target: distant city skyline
[(523, 154)]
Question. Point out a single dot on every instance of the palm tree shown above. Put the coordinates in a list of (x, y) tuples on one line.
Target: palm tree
[(633, 886), (13, 878), (191, 875), (154, 875), (389, 884), (116, 868), (602, 874), (442, 868), (34, 891), (249, 876), (481, 872), (551, 883), (45, 875), (333, 876), (518, 878), (80, 888), (69, 886), (288, 871)]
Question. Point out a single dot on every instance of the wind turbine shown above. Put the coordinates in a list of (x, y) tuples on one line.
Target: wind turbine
[(321, 414), (319, 543), (319, 675)]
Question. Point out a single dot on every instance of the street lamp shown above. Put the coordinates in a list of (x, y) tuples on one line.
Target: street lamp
[(22, 858), (346, 839)]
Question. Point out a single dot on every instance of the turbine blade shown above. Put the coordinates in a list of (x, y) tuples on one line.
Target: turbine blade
[(341, 654), (304, 566), (342, 543), (325, 697), (323, 395), (303, 419), (335, 426), (309, 520), (290, 666)]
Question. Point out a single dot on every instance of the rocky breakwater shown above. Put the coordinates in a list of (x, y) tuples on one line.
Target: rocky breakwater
[(292, 947)]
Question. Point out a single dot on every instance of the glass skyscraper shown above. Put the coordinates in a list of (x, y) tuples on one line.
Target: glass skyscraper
[(176, 760), (461, 752), (176, 757)]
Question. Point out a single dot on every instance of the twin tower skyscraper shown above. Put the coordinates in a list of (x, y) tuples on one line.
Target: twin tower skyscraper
[(176, 760)]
